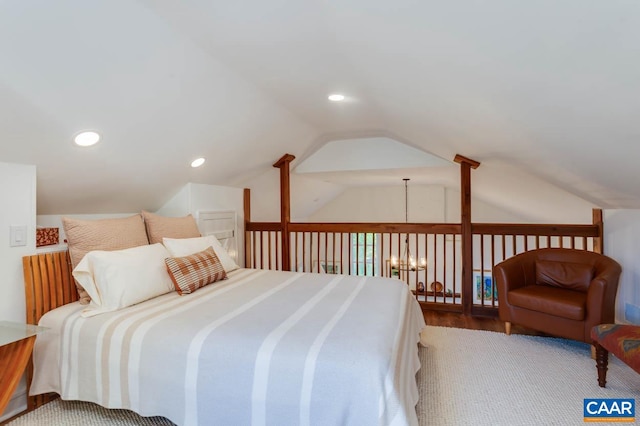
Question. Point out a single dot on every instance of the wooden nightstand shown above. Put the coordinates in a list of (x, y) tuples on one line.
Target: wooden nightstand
[(16, 343)]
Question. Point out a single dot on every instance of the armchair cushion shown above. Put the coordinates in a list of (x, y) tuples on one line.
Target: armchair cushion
[(554, 301), (569, 275)]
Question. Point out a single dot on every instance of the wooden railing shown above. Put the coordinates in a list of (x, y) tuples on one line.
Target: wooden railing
[(368, 249), (492, 243), (459, 258)]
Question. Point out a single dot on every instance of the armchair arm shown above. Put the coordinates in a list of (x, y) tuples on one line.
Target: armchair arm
[(509, 275), (601, 297)]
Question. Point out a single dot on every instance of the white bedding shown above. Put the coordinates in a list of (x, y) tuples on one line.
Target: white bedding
[(262, 347)]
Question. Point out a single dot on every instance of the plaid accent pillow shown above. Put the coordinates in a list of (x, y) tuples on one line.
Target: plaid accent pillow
[(192, 272)]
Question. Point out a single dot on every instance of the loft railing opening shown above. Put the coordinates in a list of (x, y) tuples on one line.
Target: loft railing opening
[(453, 262)]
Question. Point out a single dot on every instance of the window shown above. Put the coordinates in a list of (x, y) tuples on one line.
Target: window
[(364, 256)]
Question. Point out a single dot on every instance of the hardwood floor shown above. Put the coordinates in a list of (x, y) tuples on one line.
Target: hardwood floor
[(450, 319)]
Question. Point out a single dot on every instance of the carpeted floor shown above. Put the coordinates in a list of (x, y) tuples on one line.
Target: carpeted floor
[(467, 378), (487, 378)]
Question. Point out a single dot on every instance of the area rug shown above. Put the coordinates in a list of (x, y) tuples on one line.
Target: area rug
[(467, 377), (487, 378)]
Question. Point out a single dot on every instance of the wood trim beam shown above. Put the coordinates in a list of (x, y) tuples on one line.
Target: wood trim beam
[(466, 240), (534, 229), (411, 228), (264, 226), (285, 207), (598, 242), (460, 159), (285, 159), (246, 200)]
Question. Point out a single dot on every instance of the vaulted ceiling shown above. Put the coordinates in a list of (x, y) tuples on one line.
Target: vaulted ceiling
[(544, 91)]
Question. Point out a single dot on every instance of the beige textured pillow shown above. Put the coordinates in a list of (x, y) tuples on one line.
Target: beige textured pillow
[(195, 271), (170, 227), (84, 236)]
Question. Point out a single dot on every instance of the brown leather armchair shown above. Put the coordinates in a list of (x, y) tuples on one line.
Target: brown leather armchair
[(562, 292)]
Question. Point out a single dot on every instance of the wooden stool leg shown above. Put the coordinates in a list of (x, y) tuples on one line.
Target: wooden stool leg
[(602, 362), (507, 328)]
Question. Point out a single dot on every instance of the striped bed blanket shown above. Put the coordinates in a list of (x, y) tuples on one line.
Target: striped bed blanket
[(260, 348)]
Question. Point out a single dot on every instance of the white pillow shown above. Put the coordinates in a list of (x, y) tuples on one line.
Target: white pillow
[(180, 247), (121, 278)]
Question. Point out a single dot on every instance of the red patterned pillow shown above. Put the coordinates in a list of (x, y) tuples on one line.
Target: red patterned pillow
[(192, 272)]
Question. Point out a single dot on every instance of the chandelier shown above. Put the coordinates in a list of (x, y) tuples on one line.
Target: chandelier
[(407, 262)]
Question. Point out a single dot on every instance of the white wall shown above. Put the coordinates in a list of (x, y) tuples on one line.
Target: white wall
[(18, 194), (307, 195), (384, 204), (195, 197), (427, 204), (622, 242)]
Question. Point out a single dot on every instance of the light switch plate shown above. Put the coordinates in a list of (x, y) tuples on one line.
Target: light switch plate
[(18, 235)]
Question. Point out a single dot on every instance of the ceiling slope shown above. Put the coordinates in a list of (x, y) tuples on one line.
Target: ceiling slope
[(545, 89)]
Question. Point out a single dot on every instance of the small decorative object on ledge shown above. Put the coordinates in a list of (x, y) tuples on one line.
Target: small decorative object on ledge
[(436, 286), (420, 286), (47, 236)]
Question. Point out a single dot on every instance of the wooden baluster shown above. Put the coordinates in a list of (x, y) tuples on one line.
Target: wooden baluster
[(350, 236), (435, 264), (263, 251), (326, 253), (295, 238), (444, 274), (253, 244), (318, 251), (454, 260), (277, 238), (269, 249), (481, 289), (399, 257), (333, 251), (341, 254), (357, 254), (493, 262)]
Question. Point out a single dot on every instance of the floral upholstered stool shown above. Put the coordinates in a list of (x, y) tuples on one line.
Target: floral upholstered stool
[(621, 340)]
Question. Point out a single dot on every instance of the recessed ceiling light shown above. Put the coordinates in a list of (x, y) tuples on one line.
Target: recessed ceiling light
[(197, 162), (86, 138), (336, 97)]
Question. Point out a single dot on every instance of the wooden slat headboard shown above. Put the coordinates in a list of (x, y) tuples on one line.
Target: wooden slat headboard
[(48, 283)]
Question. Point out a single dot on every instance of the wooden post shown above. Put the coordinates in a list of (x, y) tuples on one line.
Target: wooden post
[(598, 243), (466, 244), (285, 208), (247, 235)]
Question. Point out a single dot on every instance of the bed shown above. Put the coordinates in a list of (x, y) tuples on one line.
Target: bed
[(260, 347)]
